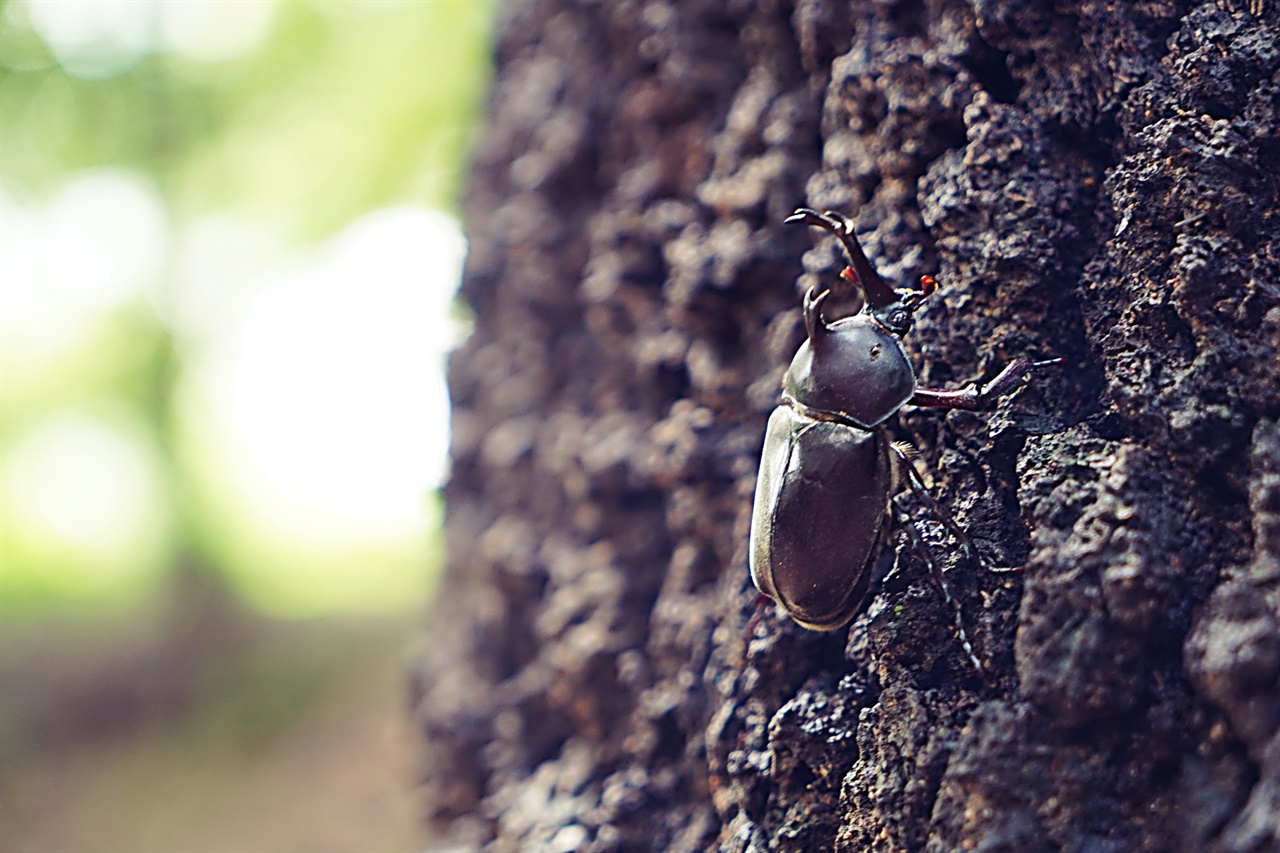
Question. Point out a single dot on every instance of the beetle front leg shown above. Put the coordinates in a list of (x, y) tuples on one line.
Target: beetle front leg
[(973, 398)]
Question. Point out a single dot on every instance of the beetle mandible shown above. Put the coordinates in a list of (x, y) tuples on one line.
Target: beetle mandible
[(829, 471)]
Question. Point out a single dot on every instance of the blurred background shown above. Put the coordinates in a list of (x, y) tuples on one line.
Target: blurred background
[(228, 253)]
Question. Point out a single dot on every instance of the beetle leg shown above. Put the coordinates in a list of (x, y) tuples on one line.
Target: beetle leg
[(922, 549), (918, 488), (896, 568), (971, 397)]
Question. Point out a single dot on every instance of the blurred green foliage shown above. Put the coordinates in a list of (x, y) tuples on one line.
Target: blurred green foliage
[(324, 111), (344, 106)]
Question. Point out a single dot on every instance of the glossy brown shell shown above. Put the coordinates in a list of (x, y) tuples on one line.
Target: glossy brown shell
[(819, 515)]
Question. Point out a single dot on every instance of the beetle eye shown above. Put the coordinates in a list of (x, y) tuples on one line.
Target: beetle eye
[(898, 318)]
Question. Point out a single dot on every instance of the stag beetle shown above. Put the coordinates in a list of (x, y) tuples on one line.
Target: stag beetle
[(829, 471)]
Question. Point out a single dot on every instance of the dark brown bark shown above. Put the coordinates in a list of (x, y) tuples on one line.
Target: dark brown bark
[(1086, 181)]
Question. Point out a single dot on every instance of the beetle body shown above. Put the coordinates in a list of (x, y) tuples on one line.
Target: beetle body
[(819, 516), (828, 470)]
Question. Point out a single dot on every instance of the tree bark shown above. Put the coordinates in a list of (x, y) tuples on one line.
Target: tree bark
[(1086, 180)]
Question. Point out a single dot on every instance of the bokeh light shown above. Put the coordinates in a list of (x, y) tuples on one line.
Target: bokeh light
[(96, 245), (317, 414), (83, 494), (291, 389), (227, 264)]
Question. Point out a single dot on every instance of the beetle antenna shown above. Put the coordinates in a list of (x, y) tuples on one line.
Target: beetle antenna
[(913, 298)]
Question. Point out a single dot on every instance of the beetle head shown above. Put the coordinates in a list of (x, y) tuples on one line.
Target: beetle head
[(891, 308)]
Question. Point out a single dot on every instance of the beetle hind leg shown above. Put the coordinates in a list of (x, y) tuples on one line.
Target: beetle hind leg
[(940, 580), (915, 482)]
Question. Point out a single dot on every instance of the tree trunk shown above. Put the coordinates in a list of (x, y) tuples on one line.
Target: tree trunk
[(1086, 181)]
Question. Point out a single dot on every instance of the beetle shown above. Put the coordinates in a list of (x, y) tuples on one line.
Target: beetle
[(829, 471)]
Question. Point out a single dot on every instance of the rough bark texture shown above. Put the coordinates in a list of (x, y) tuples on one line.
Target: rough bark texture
[(1088, 181)]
